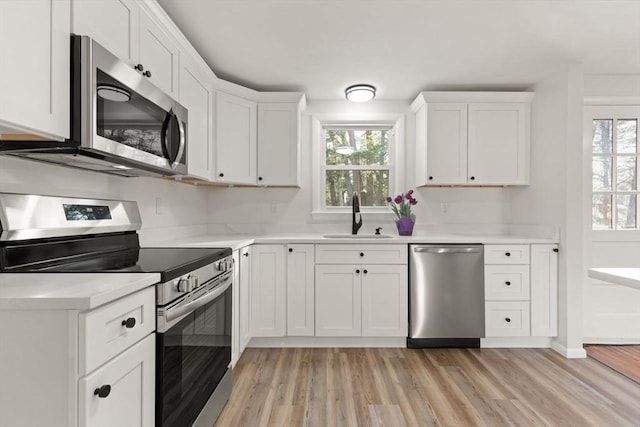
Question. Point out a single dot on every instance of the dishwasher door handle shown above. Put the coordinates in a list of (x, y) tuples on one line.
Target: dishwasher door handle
[(448, 250)]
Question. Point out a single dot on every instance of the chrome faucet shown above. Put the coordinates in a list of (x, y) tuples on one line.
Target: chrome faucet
[(355, 209)]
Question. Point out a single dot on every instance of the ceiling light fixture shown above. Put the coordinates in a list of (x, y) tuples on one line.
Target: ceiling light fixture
[(360, 93), (113, 93)]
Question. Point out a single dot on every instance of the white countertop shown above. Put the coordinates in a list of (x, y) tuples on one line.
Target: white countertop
[(68, 291), (241, 240), (620, 276)]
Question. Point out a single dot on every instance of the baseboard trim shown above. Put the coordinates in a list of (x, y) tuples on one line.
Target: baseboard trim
[(515, 342), (612, 341), (569, 353), (324, 342)]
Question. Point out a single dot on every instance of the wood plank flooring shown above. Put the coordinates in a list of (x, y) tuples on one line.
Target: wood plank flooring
[(432, 387), (622, 358)]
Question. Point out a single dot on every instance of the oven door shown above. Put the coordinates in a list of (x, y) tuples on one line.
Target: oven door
[(193, 346)]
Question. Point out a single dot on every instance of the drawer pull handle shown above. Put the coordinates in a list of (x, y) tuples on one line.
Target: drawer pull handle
[(507, 319), (102, 391), (507, 283), (507, 254), (357, 271), (361, 253), (129, 323), (555, 250)]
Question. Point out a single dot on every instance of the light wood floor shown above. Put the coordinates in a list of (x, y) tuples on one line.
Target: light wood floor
[(622, 358), (434, 387)]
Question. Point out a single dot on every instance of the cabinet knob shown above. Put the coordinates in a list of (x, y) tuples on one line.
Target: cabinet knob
[(139, 67), (259, 178), (220, 174), (246, 254), (555, 250), (361, 253), (472, 178), (102, 391), (129, 323), (507, 319), (357, 271), (147, 73), (290, 249), (507, 254), (507, 283), (365, 271), (430, 178)]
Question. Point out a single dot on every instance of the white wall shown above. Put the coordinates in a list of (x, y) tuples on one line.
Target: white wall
[(555, 194), (182, 207), (282, 210)]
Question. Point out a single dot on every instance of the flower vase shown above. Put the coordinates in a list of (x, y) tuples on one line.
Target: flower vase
[(405, 225)]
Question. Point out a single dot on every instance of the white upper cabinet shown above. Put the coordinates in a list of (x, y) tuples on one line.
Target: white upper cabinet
[(128, 31), (197, 96), (472, 138), (34, 75), (279, 139), (236, 139)]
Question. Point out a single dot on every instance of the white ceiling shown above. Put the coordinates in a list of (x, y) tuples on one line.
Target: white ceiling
[(404, 46)]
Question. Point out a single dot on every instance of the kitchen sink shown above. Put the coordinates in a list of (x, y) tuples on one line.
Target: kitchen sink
[(357, 236)]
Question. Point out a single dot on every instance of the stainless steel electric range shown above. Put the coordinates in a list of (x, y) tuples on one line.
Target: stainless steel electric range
[(49, 234)]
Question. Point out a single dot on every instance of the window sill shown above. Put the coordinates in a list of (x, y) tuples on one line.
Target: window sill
[(615, 236)]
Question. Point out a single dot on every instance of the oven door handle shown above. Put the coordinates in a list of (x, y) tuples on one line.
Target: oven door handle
[(174, 313)]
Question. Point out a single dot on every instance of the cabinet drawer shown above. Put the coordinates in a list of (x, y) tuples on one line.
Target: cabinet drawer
[(506, 282), (103, 334), (357, 254), (507, 319), (506, 254)]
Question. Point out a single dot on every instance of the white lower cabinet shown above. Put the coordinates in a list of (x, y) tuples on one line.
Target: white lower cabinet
[(122, 392), (300, 290), (544, 290), (507, 318), (384, 300), (338, 300), (268, 291), (244, 282), (235, 312)]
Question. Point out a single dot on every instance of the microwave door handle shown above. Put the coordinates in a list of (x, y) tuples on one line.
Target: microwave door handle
[(163, 139), (183, 142), (163, 135)]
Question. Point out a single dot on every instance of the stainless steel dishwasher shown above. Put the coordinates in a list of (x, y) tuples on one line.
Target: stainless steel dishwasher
[(446, 295)]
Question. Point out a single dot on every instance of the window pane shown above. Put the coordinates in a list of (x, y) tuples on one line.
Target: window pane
[(626, 173), (601, 174), (626, 136), (602, 131), (601, 214), (626, 211), (372, 187), (356, 147)]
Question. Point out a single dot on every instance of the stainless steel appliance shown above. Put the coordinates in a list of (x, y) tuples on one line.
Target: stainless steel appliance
[(193, 339), (121, 123), (446, 295)]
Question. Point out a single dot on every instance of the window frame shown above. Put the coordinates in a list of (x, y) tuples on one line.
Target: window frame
[(599, 111), (394, 122)]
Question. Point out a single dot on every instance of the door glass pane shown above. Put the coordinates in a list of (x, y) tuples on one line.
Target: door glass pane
[(602, 136), (601, 214), (356, 147), (372, 187), (626, 211), (626, 136), (626, 172), (601, 174)]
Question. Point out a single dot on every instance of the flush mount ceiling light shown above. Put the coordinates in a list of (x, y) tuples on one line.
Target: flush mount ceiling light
[(360, 93), (345, 150), (113, 93)]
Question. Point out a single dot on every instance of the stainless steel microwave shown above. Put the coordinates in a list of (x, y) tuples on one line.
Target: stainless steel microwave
[(121, 123), (118, 111)]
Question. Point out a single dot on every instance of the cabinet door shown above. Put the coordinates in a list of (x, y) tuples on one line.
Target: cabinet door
[(196, 96), (338, 300), (34, 75), (131, 400), (245, 312), (384, 300), (235, 139), (300, 290), (497, 143), (159, 55), (112, 23), (278, 144), (446, 152), (235, 303), (268, 291), (544, 290)]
